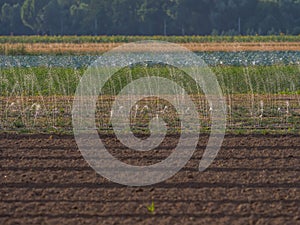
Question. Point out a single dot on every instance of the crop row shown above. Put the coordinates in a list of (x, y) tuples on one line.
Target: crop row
[(126, 39), (258, 98), (36, 81)]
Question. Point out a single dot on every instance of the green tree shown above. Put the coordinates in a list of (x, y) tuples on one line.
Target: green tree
[(52, 18), (78, 11), (11, 19), (32, 14), (194, 16), (149, 17), (6, 15), (98, 17), (152, 16)]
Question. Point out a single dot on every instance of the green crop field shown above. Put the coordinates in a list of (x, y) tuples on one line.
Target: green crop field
[(261, 88), (279, 79), (258, 97)]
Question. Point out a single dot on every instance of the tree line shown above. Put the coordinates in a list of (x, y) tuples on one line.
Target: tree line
[(149, 17)]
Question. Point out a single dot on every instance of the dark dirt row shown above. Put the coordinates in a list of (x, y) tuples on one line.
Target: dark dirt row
[(254, 180)]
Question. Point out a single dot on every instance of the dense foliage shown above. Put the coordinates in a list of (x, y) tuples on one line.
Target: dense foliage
[(149, 17)]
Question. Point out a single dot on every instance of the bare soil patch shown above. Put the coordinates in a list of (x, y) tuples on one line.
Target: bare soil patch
[(254, 180)]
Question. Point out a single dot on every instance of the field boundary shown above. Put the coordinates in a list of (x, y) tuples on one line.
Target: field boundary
[(94, 48), (126, 39)]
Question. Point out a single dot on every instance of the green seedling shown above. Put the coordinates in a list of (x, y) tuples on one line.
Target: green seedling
[(151, 208)]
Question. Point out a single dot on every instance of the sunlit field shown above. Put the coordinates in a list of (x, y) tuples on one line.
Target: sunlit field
[(46, 178), (259, 98)]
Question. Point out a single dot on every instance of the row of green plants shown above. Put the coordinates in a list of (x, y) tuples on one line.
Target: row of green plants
[(125, 39), (50, 110), (277, 79)]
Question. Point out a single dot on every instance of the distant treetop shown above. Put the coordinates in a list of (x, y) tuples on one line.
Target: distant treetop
[(149, 17)]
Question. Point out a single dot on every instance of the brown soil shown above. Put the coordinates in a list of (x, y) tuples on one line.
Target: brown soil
[(62, 48), (254, 180)]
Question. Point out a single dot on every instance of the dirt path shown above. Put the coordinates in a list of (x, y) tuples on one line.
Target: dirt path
[(254, 180)]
